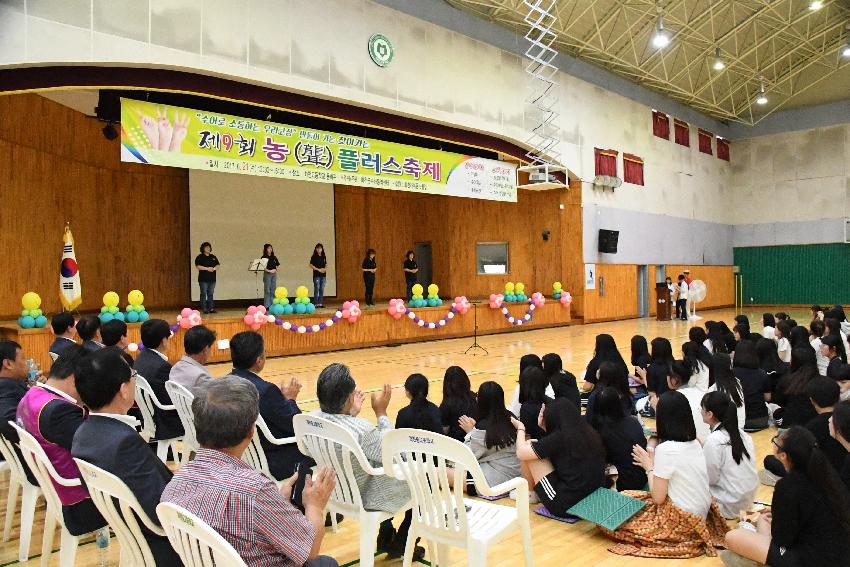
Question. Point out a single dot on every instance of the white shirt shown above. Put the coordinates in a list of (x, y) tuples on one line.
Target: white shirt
[(732, 484), (162, 356), (515, 405), (822, 361), (683, 290), (699, 379), (742, 412), (53, 390), (695, 400), (783, 348), (707, 343), (683, 465), (769, 333), (123, 418)]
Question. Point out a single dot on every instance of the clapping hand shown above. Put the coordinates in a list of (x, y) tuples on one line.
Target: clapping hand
[(466, 423), (317, 490), (357, 399), (290, 391), (641, 458), (381, 400)]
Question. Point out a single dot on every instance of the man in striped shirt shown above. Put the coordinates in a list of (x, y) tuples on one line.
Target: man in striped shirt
[(240, 503)]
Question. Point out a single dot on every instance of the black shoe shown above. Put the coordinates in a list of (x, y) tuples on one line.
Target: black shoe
[(386, 535), (206, 311), (397, 551), (213, 311), (329, 523)]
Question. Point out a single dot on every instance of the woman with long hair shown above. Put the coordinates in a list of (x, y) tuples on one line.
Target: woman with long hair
[(532, 396), (816, 331), (768, 322), (319, 265), (563, 383), (833, 327), (716, 338), (839, 429), (611, 376), (269, 274), (783, 344), (421, 413), (832, 348), (458, 400), (527, 361), (606, 349), (655, 376), (369, 268), (640, 352), (770, 362), (723, 380), (794, 405), (567, 464), (492, 437), (755, 384), (619, 434), (729, 456), (728, 336), (699, 360), (809, 519)]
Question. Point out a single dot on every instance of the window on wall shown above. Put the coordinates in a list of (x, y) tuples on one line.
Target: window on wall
[(705, 141), (492, 257), (722, 148), (660, 125), (605, 162), (632, 169), (682, 133)]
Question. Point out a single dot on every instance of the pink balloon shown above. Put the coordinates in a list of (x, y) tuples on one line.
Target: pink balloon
[(184, 324), (252, 309), (186, 312), (249, 319), (537, 299), (346, 313), (346, 305), (261, 308), (256, 326), (496, 300), (354, 312), (566, 298), (194, 319)]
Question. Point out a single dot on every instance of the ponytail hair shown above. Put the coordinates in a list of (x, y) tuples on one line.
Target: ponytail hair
[(417, 386), (723, 408)]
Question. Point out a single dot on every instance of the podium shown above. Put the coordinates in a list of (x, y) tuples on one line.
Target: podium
[(663, 306)]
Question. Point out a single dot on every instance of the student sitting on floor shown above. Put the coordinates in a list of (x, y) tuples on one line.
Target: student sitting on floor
[(809, 520), (768, 322), (655, 376), (567, 464), (723, 380), (699, 359), (679, 380), (564, 384), (794, 405), (839, 429), (458, 400), (605, 349), (619, 433), (532, 396), (420, 413), (611, 376), (528, 361), (832, 348), (754, 383), (770, 362), (729, 456)]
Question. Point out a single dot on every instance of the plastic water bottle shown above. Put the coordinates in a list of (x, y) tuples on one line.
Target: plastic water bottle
[(33, 372), (102, 543)]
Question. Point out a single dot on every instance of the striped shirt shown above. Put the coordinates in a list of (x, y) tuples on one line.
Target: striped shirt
[(243, 506)]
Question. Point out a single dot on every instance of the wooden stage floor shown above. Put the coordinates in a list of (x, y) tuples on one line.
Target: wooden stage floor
[(555, 544)]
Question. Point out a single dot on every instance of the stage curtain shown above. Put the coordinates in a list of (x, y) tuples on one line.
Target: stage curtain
[(682, 133), (705, 137), (660, 125), (723, 149), (606, 162), (632, 169)]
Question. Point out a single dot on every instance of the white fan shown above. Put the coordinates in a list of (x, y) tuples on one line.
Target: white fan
[(696, 294)]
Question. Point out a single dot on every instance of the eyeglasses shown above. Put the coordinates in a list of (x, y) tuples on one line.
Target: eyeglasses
[(775, 442)]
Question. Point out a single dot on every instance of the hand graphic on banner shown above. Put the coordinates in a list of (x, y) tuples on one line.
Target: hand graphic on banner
[(161, 133)]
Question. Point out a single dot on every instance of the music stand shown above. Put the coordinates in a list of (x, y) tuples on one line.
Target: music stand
[(475, 344), (258, 265)]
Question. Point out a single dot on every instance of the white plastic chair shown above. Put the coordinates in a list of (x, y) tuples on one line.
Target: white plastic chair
[(255, 455), (105, 488), (46, 475), (441, 515), (333, 446), (182, 398), (18, 480), (197, 544), (148, 405)]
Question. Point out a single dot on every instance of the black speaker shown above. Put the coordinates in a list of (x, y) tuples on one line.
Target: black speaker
[(608, 240)]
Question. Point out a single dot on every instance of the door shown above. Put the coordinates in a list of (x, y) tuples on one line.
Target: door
[(642, 291), (423, 260)]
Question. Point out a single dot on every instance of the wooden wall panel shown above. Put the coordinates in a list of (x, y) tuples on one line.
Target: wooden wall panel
[(719, 280), (620, 298), (129, 221)]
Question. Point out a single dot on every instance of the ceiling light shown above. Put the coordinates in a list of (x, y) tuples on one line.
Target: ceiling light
[(816, 5), (661, 37), (762, 98), (717, 63), (846, 51)]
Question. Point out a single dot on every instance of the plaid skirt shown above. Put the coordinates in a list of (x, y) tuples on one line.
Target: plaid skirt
[(666, 531)]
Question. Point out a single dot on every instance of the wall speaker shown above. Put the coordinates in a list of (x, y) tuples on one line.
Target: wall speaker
[(608, 240)]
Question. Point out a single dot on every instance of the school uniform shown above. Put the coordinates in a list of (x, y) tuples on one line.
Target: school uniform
[(733, 485), (575, 477)]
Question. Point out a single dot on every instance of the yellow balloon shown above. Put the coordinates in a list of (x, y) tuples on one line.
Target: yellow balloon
[(557, 286), (417, 289), (509, 287), (302, 291), (135, 297), (281, 292), (111, 299), (433, 289), (519, 287), (31, 300)]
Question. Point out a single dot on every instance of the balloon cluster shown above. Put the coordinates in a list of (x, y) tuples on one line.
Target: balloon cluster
[(537, 299), (32, 317), (565, 298), (256, 317), (302, 302), (135, 312), (189, 318), (519, 321), (397, 308), (496, 300), (351, 311), (515, 292), (280, 305), (461, 304)]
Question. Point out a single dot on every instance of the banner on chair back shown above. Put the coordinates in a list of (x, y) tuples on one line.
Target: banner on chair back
[(181, 137)]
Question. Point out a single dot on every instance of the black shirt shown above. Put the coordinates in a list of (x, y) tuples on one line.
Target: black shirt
[(656, 378), (619, 438), (754, 382), (832, 368), (410, 265), (369, 265), (803, 522), (318, 262), (206, 262), (796, 408), (578, 475), (273, 262), (428, 418), (450, 413), (564, 386), (528, 414), (834, 451)]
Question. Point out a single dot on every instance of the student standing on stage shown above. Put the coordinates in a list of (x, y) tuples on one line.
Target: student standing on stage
[(206, 263), (269, 275), (319, 265), (410, 271), (369, 268)]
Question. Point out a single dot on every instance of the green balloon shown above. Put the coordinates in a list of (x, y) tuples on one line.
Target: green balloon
[(113, 310), (104, 309), (25, 313)]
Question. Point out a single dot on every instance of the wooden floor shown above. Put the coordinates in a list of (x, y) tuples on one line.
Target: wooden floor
[(555, 544)]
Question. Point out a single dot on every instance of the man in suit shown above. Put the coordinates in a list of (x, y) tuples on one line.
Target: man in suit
[(65, 329), (88, 328), (108, 438), (152, 364), (277, 405), (13, 387), (114, 333)]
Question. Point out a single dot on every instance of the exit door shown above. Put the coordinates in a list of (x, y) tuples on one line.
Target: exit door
[(423, 260)]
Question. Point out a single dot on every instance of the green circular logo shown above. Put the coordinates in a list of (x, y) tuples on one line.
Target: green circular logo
[(380, 50)]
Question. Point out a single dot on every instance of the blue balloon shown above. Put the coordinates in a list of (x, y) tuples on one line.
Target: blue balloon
[(432, 302), (40, 322), (143, 316), (557, 295), (300, 308), (288, 309), (119, 316), (132, 317), (26, 322), (106, 317), (311, 308)]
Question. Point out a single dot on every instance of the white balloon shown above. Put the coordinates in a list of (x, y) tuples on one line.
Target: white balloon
[(450, 315), (411, 314), (302, 329), (270, 318), (421, 323), (432, 325), (287, 325), (442, 322), (132, 347), (510, 319), (329, 323), (315, 328)]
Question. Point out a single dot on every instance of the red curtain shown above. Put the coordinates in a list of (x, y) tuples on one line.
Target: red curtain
[(660, 125), (632, 169), (705, 141), (723, 149), (606, 162), (682, 132)]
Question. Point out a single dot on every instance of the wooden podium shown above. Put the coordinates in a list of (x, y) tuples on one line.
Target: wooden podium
[(663, 306)]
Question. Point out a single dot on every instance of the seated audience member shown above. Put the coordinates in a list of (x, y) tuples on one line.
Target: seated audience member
[(842, 377), (817, 312), (240, 503), (277, 405), (340, 402), (679, 380), (13, 388), (114, 334), (610, 376), (492, 437), (755, 384), (64, 329), (781, 316), (567, 463), (640, 352), (795, 408), (770, 362), (108, 438), (88, 327), (152, 365), (838, 310), (190, 371), (605, 349), (680, 519), (728, 336), (532, 396), (809, 519), (564, 384), (716, 342), (699, 359), (832, 348), (420, 413), (816, 330), (800, 337), (741, 332), (699, 336), (724, 380), (525, 362), (839, 429), (458, 400), (768, 322), (51, 412), (833, 327), (619, 433), (729, 456), (655, 376)]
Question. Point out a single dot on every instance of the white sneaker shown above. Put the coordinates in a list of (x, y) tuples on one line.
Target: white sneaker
[(532, 496)]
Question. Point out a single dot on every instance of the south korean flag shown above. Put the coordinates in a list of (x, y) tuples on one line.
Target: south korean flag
[(70, 290)]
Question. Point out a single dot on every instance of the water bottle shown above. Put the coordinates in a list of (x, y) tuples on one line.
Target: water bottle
[(33, 372), (102, 543)]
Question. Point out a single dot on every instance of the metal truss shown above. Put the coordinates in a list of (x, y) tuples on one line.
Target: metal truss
[(792, 47), (541, 69)]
